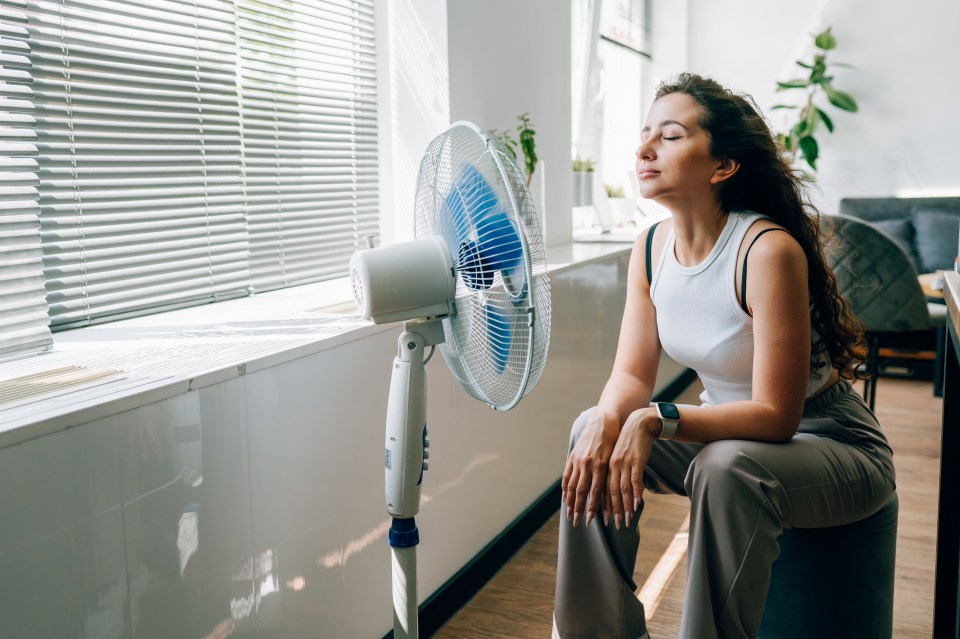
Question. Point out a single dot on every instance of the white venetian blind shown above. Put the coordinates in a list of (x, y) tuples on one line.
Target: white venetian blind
[(23, 307), (178, 152), (308, 103), (138, 131)]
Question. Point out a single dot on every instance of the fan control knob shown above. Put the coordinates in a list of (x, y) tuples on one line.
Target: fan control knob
[(426, 454), (426, 465)]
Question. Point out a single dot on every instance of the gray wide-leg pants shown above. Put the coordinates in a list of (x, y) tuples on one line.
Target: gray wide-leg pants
[(837, 469)]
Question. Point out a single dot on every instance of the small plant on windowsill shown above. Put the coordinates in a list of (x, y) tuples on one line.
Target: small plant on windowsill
[(613, 190), (582, 165), (582, 182), (527, 143), (799, 139), (622, 210)]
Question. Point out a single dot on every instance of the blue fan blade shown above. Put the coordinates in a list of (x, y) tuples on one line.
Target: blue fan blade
[(475, 211), (471, 199), (499, 249), (499, 335), (498, 243)]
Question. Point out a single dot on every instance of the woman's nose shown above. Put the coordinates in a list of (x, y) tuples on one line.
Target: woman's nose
[(644, 151)]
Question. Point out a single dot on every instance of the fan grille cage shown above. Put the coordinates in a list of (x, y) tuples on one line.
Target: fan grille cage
[(496, 343)]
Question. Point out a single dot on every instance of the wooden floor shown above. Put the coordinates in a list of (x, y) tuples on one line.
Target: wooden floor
[(518, 601)]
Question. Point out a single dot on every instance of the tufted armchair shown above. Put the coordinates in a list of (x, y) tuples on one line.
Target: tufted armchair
[(880, 282)]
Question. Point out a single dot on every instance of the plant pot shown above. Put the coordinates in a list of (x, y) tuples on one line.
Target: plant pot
[(622, 210), (583, 188)]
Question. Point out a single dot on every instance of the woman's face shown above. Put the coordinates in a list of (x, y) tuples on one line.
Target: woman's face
[(674, 160)]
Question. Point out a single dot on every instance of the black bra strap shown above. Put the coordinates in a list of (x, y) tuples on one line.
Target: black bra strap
[(649, 251), (743, 279)]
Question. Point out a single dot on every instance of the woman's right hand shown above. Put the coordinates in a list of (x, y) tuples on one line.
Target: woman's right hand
[(585, 475)]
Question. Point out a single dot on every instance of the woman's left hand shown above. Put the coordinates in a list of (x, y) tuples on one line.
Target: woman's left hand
[(625, 477)]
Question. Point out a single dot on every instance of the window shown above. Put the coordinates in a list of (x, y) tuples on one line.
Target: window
[(178, 153), (611, 49), (623, 47)]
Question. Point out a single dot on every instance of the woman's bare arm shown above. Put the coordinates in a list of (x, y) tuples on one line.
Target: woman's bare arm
[(779, 303)]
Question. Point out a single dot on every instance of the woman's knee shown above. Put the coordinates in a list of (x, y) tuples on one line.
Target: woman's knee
[(725, 467)]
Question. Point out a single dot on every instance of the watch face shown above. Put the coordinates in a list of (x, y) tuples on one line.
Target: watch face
[(669, 411)]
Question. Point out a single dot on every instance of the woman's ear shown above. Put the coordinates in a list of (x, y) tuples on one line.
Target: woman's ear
[(723, 172)]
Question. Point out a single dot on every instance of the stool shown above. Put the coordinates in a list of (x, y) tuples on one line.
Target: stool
[(835, 582)]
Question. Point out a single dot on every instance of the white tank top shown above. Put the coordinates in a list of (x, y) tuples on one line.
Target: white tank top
[(701, 324)]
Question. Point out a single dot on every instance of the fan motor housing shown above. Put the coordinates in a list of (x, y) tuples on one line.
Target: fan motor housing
[(403, 281)]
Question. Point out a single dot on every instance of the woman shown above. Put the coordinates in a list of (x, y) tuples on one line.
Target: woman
[(734, 286)]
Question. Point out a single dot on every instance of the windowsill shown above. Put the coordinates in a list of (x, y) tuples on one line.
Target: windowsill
[(625, 232), (616, 235), (131, 363)]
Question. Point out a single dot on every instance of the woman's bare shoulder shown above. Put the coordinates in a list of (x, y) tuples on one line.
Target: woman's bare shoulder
[(770, 245)]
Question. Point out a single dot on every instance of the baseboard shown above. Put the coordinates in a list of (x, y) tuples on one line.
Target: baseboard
[(469, 580)]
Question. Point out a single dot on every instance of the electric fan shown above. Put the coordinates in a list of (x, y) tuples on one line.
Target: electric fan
[(474, 283)]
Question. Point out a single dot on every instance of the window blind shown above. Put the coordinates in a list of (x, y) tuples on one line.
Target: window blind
[(140, 156), (23, 307), (179, 152), (308, 103)]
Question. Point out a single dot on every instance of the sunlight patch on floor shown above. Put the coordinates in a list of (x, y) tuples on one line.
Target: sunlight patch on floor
[(661, 575)]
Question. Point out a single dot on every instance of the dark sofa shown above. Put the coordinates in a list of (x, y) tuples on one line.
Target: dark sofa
[(927, 228)]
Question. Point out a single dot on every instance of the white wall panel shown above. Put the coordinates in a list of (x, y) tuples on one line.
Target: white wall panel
[(62, 564)]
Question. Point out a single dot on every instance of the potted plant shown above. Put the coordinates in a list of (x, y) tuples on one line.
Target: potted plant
[(582, 182), (527, 143), (799, 139), (621, 208)]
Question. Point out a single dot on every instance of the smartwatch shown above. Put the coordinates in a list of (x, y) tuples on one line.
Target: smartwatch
[(669, 418)]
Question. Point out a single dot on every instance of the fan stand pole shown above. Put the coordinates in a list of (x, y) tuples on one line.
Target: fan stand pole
[(404, 562), (405, 454)]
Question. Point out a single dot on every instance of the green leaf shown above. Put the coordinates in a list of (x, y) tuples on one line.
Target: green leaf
[(810, 150), (508, 142), (787, 146), (813, 119), (825, 40), (798, 83), (827, 122), (843, 64), (840, 99), (783, 106), (804, 64)]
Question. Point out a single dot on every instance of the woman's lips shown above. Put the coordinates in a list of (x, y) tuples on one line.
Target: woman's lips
[(647, 173)]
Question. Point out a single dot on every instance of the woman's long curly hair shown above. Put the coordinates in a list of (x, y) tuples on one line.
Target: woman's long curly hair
[(767, 184)]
